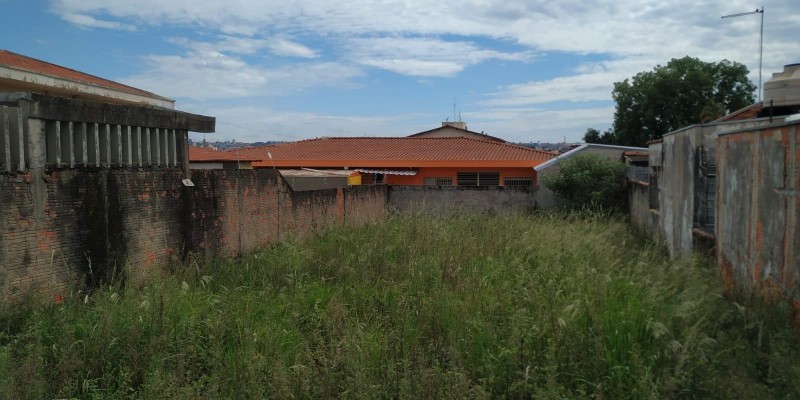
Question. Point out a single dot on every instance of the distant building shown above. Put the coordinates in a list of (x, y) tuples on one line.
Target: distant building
[(455, 129), (210, 158)]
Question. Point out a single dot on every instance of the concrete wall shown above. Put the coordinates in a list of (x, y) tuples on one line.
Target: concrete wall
[(758, 235), (640, 215), (675, 174), (71, 228), (448, 199), (676, 184)]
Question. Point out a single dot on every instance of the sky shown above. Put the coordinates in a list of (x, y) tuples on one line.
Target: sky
[(525, 71)]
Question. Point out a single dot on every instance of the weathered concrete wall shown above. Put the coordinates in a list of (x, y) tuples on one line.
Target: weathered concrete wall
[(758, 235), (448, 199), (676, 186), (675, 178), (67, 229), (639, 212)]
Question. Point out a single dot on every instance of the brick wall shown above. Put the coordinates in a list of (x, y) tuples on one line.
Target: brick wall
[(72, 228)]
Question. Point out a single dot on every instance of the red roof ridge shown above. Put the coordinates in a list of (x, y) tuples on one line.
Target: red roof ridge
[(12, 60)]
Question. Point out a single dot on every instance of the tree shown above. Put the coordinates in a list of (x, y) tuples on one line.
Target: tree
[(684, 92), (594, 136), (588, 180)]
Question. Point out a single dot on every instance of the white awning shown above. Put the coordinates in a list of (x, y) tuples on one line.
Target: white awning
[(387, 171)]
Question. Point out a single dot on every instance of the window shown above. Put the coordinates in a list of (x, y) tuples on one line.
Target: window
[(441, 181), (478, 179), (705, 190), (518, 182), (378, 179)]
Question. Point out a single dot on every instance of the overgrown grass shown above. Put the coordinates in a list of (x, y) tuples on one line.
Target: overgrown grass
[(416, 307)]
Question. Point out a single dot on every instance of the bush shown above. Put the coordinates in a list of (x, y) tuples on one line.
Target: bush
[(588, 181)]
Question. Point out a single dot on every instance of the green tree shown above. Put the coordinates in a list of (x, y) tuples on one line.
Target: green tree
[(588, 181), (594, 136), (685, 91), (591, 136)]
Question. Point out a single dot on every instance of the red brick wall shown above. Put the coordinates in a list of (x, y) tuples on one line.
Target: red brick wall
[(72, 228)]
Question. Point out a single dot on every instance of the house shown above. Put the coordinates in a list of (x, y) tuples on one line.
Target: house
[(546, 197), (209, 158), (456, 129), (458, 161)]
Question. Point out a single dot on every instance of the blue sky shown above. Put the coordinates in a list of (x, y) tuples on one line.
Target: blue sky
[(268, 70)]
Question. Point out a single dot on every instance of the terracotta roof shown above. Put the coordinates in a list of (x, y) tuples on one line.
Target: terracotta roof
[(20, 62), (395, 151), (632, 153), (207, 154)]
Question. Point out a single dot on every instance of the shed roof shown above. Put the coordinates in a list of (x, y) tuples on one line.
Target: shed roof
[(396, 152)]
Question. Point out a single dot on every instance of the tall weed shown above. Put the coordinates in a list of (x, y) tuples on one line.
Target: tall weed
[(542, 306)]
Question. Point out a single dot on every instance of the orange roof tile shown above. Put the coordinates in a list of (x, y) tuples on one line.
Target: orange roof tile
[(20, 62), (207, 154), (396, 152)]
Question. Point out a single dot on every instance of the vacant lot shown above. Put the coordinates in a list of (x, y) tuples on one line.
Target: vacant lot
[(415, 307)]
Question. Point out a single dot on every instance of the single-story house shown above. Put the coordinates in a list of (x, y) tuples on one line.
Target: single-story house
[(459, 161)]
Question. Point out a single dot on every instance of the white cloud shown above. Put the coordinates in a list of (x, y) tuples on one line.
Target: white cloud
[(213, 75), (534, 124), (288, 48), (245, 45), (256, 123), (87, 21), (423, 56), (591, 82), (441, 39)]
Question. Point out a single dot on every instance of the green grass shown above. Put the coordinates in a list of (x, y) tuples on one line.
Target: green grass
[(414, 307)]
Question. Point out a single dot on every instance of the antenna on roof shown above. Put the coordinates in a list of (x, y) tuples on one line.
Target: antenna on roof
[(454, 109)]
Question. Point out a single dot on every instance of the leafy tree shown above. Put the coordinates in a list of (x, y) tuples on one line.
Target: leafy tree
[(588, 181), (684, 92), (594, 136)]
